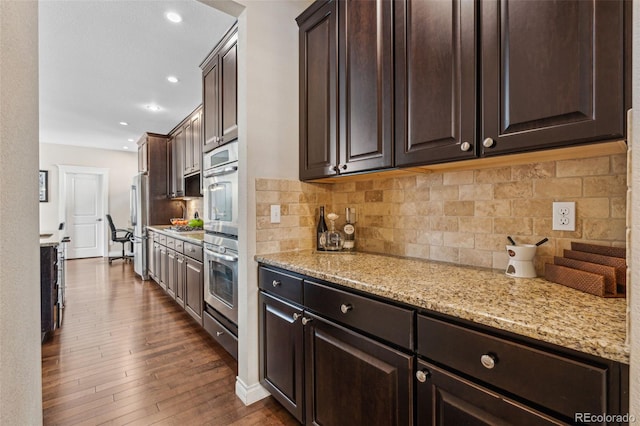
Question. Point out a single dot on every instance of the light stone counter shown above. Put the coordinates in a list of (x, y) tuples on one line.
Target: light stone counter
[(194, 237), (534, 308)]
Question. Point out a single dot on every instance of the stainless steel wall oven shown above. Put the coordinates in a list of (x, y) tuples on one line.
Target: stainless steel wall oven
[(221, 275)]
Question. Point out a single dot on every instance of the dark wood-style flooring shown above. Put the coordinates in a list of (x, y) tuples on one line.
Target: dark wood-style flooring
[(128, 354)]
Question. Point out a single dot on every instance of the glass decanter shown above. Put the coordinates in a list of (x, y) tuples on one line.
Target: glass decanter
[(333, 239)]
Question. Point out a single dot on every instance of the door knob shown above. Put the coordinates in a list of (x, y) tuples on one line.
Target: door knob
[(465, 146), (99, 220), (344, 308), (488, 143), (306, 321), (488, 361), (422, 375), (296, 316)]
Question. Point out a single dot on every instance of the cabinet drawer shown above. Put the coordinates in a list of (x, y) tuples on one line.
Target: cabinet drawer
[(162, 239), (194, 251), (171, 243), (179, 247), (220, 333), (280, 284), (388, 322), (564, 385)]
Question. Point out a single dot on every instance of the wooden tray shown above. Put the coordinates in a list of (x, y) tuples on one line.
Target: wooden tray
[(618, 263), (608, 272), (580, 280), (603, 250)]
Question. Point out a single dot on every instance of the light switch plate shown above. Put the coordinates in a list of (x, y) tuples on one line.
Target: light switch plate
[(564, 216), (275, 213)]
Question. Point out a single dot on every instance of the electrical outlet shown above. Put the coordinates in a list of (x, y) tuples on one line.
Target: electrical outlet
[(564, 216), (275, 213)]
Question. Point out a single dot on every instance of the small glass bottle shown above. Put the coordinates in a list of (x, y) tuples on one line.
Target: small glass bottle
[(320, 231), (349, 230), (333, 240)]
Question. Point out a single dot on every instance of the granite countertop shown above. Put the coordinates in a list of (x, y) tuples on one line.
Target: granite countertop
[(51, 238), (195, 237), (531, 307)]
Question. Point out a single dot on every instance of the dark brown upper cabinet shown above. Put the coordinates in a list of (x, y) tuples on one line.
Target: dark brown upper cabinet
[(435, 81), (552, 74), (346, 87), (220, 92), (193, 144)]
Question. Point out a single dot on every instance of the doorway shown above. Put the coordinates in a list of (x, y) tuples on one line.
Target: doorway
[(82, 208)]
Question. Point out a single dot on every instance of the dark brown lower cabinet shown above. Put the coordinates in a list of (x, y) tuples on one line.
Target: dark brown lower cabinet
[(354, 380), (180, 279), (163, 267), (194, 288), (446, 399), (171, 273), (281, 361)]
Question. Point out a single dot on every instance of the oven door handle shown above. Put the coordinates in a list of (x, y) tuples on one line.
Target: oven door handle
[(227, 257), (218, 172)]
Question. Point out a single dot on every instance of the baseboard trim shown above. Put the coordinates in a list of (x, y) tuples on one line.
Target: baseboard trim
[(250, 394)]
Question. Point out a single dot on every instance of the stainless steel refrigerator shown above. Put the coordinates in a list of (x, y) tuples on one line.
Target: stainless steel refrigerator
[(139, 217)]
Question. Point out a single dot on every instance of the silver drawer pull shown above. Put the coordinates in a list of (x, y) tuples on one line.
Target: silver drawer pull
[(465, 146), (219, 333), (488, 143), (276, 283), (488, 361), (306, 321), (296, 316), (345, 308), (422, 375)]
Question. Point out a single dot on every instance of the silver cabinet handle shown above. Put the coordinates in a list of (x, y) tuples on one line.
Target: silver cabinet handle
[(296, 316), (345, 308), (488, 361), (422, 375), (219, 333), (276, 283), (99, 219), (343, 167), (465, 146), (488, 143), (306, 321)]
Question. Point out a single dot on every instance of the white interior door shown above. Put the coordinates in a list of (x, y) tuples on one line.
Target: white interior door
[(85, 216)]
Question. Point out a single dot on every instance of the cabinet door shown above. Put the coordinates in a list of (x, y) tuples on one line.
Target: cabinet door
[(446, 399), (319, 93), (353, 380), (188, 148), (180, 279), (282, 363), (229, 90), (164, 267), (157, 254), (194, 290), (366, 79), (435, 76), (171, 273), (196, 141), (552, 73), (211, 87), (143, 155), (177, 162), (151, 257)]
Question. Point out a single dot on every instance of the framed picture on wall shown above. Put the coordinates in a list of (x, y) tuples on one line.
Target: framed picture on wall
[(44, 186)]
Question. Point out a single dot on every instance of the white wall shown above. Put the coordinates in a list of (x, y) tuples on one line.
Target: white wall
[(20, 350), (122, 165), (634, 291)]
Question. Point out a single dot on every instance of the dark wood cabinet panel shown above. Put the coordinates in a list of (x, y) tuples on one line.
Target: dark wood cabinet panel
[(164, 267), (229, 89), (435, 81), (366, 78), (194, 290), (446, 399), (171, 273), (552, 73), (355, 380), (282, 362), (211, 85), (177, 163), (196, 141), (220, 92), (180, 279), (319, 92)]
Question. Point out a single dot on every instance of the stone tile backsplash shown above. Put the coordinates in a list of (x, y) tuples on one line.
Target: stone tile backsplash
[(461, 217)]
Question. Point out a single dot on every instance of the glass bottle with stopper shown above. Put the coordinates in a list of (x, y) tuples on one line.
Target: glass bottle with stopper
[(349, 229), (333, 240)]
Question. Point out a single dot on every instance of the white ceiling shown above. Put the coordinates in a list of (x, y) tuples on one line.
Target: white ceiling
[(104, 61)]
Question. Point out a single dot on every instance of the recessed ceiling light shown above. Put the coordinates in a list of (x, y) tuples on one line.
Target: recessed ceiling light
[(124, 123), (172, 79), (129, 140), (153, 108), (174, 17), (125, 147)]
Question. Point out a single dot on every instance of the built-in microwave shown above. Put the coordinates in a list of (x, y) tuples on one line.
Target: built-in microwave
[(220, 188)]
